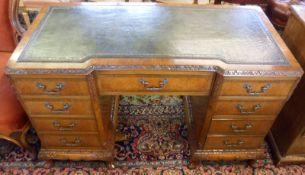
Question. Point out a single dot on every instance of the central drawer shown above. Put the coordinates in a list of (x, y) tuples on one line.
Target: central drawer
[(155, 83)]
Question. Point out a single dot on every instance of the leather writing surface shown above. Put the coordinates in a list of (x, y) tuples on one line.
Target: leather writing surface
[(75, 34)]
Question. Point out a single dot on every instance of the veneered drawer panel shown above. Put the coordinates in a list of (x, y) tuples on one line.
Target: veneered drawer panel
[(47, 86), (64, 125), (227, 126), (256, 88), (233, 142), (60, 106), (155, 83), (88, 140), (236, 107)]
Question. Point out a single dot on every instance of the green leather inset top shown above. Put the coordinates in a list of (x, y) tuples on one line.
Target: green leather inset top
[(76, 34)]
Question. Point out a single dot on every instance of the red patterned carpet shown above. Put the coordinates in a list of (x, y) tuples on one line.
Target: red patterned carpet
[(156, 144)]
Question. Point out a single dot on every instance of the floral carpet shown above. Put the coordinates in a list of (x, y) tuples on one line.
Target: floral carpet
[(155, 143)]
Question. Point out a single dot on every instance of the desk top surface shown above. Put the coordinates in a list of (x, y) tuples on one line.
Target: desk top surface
[(76, 34), (81, 38)]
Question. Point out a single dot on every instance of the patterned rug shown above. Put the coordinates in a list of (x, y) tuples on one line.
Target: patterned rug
[(156, 143)]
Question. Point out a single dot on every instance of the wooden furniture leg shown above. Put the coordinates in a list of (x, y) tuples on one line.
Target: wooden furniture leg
[(19, 137)]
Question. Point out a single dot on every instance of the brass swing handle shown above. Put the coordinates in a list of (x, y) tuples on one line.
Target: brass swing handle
[(59, 86), (51, 107), (241, 109), (76, 142), (250, 91), (162, 83), (239, 130), (228, 144), (69, 127)]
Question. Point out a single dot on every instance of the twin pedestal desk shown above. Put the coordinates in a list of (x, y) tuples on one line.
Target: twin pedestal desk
[(229, 63)]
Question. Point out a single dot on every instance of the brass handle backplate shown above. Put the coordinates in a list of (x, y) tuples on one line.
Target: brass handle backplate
[(59, 87), (242, 110), (249, 90), (76, 142), (69, 127), (65, 108), (145, 83), (238, 143), (239, 130)]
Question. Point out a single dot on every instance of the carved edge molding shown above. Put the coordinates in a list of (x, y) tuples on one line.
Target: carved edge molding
[(92, 155), (157, 67), (237, 154), (261, 73)]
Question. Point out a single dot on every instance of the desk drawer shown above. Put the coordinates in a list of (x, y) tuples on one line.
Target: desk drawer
[(64, 125), (72, 141), (155, 83), (236, 107), (233, 142), (52, 87), (229, 126), (59, 106), (256, 88)]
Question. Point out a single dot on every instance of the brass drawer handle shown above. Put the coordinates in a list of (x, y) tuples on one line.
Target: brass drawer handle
[(60, 86), (241, 109), (162, 83), (58, 126), (238, 143), (51, 107), (239, 130), (264, 89), (76, 142)]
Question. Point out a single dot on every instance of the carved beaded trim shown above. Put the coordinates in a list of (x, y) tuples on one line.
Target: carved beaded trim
[(157, 67), (52, 154), (262, 73)]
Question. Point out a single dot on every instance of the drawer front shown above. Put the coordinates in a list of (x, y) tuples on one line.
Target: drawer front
[(72, 141), (233, 142), (64, 125), (155, 83), (256, 88), (51, 87), (62, 106), (235, 107), (251, 127)]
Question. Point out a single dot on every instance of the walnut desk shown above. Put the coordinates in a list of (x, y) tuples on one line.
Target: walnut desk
[(230, 64)]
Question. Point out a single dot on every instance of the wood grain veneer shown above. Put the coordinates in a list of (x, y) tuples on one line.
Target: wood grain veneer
[(52, 86), (200, 84), (61, 124), (213, 86), (61, 106), (233, 142), (238, 126), (71, 141)]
